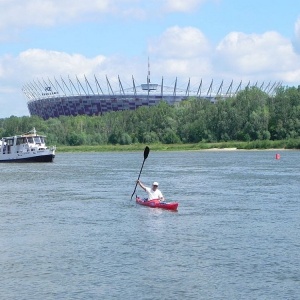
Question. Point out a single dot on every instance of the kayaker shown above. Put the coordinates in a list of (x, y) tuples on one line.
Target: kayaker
[(154, 192)]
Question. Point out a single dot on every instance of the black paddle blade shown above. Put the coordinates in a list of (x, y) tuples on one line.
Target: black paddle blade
[(146, 152)]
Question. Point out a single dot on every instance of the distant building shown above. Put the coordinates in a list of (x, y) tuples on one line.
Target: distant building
[(54, 98)]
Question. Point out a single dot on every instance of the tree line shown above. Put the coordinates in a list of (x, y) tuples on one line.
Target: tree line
[(250, 115)]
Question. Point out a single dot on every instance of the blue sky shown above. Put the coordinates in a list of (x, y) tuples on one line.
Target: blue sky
[(197, 39)]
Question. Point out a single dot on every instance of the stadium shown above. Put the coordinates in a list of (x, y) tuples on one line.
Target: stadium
[(72, 97)]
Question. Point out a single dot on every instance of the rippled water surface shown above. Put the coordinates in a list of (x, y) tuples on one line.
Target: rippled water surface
[(69, 229)]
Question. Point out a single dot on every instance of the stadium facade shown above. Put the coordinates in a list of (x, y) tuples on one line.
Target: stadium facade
[(67, 97)]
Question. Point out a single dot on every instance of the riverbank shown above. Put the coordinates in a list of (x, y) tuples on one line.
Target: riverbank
[(226, 146)]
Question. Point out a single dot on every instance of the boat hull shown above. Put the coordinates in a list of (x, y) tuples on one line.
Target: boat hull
[(30, 159), (157, 204)]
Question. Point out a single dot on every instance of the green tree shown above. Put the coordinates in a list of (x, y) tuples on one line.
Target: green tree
[(75, 139)]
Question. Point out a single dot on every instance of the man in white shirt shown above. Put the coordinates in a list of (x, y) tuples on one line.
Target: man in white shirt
[(154, 192)]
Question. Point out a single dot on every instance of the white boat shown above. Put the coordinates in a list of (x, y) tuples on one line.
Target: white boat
[(29, 147)]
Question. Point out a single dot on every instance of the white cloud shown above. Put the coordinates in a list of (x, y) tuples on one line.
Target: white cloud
[(37, 63), (15, 15), (266, 55), (182, 5), (183, 69), (45, 63), (135, 13), (187, 42), (181, 51), (19, 14)]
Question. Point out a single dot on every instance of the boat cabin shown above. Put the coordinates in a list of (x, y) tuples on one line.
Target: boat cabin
[(18, 144), (26, 147)]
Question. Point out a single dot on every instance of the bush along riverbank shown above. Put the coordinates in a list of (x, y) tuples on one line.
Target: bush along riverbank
[(253, 145)]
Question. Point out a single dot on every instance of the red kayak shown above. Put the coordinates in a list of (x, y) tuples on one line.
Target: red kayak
[(155, 203)]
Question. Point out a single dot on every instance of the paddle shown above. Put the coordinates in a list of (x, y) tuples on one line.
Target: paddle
[(146, 153)]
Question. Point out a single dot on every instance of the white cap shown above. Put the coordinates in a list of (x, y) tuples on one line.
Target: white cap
[(155, 183)]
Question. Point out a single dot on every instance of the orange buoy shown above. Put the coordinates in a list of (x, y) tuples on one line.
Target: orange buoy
[(277, 156)]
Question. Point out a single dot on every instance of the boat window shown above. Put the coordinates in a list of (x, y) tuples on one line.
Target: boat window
[(21, 140), (30, 139), (37, 139), (10, 142), (42, 140)]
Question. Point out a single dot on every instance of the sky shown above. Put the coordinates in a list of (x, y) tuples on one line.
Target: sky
[(223, 40)]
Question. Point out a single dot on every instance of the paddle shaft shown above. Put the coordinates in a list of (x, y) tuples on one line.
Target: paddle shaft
[(146, 153)]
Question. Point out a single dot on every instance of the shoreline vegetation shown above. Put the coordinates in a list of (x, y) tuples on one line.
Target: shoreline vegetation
[(226, 146)]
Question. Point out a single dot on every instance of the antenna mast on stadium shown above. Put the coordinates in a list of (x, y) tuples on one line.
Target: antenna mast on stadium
[(149, 86), (148, 76)]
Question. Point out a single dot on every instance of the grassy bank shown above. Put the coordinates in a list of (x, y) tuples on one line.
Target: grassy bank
[(285, 144)]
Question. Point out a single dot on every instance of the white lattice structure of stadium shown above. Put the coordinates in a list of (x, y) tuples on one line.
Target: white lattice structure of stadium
[(65, 97)]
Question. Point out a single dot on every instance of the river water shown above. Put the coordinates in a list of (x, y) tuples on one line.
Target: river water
[(69, 229)]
